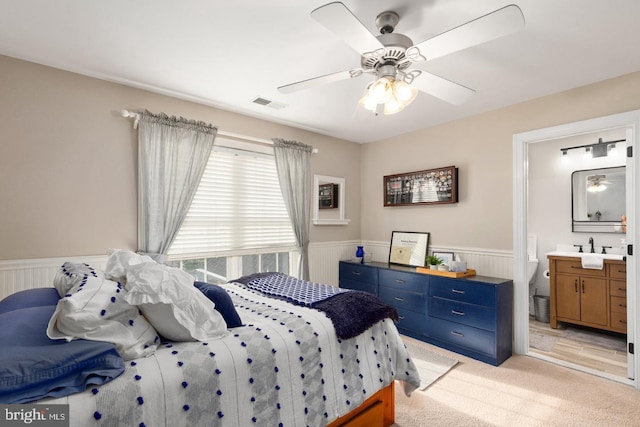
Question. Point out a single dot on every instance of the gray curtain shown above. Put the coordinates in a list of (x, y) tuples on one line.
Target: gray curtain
[(172, 156), (292, 162)]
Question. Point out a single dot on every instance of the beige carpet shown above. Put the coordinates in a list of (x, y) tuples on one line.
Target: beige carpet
[(522, 392), (431, 365)]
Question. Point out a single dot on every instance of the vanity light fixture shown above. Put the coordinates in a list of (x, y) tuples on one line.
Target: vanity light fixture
[(599, 149)]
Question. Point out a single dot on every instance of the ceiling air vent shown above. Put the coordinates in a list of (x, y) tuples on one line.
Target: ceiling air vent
[(269, 103)]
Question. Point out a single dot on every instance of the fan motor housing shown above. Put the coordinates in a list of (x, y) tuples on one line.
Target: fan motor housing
[(395, 46)]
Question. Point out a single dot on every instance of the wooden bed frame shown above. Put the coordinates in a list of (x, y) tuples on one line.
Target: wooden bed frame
[(376, 411)]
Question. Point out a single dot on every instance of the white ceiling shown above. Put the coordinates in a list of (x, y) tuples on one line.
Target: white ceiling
[(226, 54)]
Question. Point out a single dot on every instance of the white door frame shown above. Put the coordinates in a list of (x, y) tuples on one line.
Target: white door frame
[(629, 120)]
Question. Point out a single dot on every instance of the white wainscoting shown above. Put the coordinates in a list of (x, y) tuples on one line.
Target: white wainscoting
[(17, 275), (324, 257)]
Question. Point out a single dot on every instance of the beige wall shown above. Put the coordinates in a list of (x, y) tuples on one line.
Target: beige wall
[(68, 161), (481, 146)]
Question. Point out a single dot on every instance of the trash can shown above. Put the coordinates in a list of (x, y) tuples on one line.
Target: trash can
[(541, 308)]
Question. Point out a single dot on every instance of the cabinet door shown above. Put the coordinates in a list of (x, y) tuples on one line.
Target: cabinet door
[(568, 297), (593, 300)]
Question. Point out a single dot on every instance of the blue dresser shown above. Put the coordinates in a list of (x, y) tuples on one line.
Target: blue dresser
[(472, 316)]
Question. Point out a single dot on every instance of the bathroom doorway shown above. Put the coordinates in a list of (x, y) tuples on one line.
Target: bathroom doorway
[(541, 208)]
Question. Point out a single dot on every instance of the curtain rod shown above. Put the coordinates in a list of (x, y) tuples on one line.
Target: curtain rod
[(136, 119)]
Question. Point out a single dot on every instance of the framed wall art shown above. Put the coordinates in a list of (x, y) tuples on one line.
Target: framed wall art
[(408, 248), (328, 196), (427, 187)]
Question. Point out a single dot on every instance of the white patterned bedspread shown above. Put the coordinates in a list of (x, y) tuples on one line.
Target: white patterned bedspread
[(285, 367)]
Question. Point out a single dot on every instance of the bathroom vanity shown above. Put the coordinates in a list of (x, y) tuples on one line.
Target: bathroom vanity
[(586, 296)]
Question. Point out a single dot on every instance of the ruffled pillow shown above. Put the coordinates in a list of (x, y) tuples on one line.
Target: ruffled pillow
[(118, 262), (171, 303), (95, 309)]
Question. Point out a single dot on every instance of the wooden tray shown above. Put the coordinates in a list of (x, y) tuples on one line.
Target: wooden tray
[(424, 270)]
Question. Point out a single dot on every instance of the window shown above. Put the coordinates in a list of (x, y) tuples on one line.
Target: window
[(237, 223)]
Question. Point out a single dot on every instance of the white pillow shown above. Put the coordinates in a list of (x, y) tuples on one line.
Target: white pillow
[(95, 309), (70, 274), (168, 299), (118, 262)]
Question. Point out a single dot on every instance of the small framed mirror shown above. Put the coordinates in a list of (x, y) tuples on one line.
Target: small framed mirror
[(329, 200), (598, 200)]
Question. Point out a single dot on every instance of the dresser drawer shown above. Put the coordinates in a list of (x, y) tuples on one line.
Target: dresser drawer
[(575, 267), (618, 271), (360, 277), (468, 314), (618, 305), (463, 291), (410, 282), (462, 336), (412, 321), (618, 288), (359, 286), (403, 299)]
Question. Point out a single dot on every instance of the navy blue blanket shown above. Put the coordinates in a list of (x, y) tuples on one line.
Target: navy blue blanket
[(351, 312)]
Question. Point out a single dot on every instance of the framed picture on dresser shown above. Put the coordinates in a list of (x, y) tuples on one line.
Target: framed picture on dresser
[(408, 248)]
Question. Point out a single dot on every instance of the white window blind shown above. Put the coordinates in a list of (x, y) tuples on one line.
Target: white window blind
[(238, 208)]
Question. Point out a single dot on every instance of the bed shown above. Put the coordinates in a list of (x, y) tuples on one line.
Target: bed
[(287, 359)]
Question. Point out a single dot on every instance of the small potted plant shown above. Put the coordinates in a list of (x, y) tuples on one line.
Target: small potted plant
[(433, 262)]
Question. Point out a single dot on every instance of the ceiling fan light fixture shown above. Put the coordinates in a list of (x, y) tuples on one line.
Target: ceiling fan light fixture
[(368, 103), (405, 93), (393, 106), (392, 94), (381, 90)]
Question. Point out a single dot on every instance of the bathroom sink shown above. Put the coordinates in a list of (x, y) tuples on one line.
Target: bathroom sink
[(581, 254)]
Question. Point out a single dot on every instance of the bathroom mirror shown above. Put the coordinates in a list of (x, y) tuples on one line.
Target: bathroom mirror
[(328, 200), (598, 200)]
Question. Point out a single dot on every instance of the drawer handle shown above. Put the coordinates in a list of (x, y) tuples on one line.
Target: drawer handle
[(622, 289), (401, 317), (355, 273), (622, 271), (399, 281), (459, 313), (399, 299), (622, 305), (457, 291), (624, 322), (458, 334)]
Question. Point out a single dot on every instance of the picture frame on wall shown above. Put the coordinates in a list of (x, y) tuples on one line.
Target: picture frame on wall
[(328, 196), (427, 187), (408, 248)]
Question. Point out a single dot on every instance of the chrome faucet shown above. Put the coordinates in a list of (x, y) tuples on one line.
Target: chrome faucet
[(593, 251)]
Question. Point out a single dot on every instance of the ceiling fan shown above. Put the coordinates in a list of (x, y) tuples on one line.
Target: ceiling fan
[(390, 56)]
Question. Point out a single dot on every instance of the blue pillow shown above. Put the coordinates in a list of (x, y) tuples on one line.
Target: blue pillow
[(29, 298), (222, 301), (34, 366)]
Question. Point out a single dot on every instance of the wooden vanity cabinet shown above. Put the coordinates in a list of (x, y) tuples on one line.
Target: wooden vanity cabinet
[(618, 295), (588, 297)]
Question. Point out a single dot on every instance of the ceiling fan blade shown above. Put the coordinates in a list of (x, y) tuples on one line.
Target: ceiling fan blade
[(328, 78), (501, 22), (339, 20), (443, 89)]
